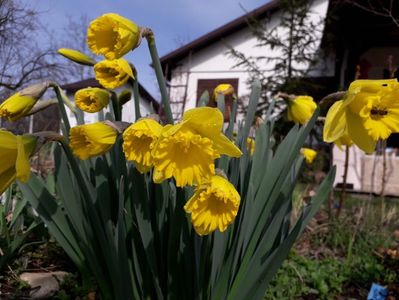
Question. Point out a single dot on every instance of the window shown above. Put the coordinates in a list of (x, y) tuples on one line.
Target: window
[(210, 84)]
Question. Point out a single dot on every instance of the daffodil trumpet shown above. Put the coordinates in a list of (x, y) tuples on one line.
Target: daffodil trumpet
[(213, 206), (187, 151), (113, 36)]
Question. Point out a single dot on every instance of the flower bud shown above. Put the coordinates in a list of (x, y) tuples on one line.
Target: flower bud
[(77, 56), (19, 104), (300, 109)]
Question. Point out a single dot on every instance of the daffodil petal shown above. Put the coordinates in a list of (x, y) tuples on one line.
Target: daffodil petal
[(335, 123), (224, 146), (207, 121), (22, 165), (6, 178), (358, 133)]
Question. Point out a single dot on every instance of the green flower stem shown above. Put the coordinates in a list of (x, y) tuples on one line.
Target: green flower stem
[(116, 107), (221, 103), (233, 114), (41, 105), (136, 96), (149, 35), (61, 106), (76, 170)]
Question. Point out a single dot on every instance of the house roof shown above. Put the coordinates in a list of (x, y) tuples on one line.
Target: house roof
[(173, 57), (92, 82)]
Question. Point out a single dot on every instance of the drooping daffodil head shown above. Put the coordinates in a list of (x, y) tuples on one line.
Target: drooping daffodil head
[(187, 151), (309, 155), (15, 151), (213, 206), (139, 139), (113, 73), (92, 139), (20, 104), (113, 36), (92, 100), (300, 109)]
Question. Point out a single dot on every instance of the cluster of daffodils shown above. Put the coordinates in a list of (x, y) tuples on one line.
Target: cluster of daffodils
[(111, 36), (185, 152), (369, 112)]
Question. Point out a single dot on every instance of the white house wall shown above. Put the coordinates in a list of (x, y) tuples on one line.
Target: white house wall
[(354, 166), (213, 63)]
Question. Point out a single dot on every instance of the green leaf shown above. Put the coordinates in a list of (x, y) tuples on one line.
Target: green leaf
[(204, 99)]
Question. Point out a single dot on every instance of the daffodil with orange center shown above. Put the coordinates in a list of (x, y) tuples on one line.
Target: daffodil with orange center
[(187, 151), (369, 112), (139, 139), (213, 206)]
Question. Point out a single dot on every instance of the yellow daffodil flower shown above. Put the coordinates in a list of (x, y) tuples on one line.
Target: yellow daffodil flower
[(113, 73), (113, 36), (20, 104), (14, 158), (225, 89), (139, 139), (369, 112), (77, 56), (301, 109), (91, 100), (308, 154), (91, 139), (186, 151), (213, 206)]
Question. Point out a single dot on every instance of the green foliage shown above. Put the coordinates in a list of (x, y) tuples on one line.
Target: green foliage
[(349, 250), (303, 276), (134, 238), (16, 224)]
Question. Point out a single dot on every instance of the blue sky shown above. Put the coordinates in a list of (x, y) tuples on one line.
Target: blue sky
[(173, 21)]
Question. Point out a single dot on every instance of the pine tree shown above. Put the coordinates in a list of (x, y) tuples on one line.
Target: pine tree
[(294, 39)]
